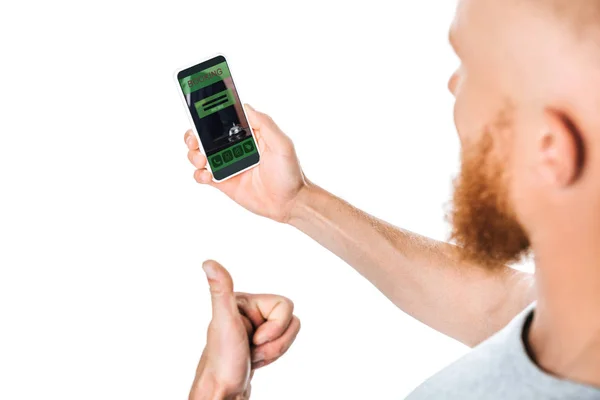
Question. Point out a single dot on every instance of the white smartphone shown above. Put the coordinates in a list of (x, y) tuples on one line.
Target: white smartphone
[(218, 117)]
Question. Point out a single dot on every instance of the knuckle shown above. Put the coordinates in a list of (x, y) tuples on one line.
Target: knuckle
[(217, 290), (211, 331), (268, 119), (288, 303)]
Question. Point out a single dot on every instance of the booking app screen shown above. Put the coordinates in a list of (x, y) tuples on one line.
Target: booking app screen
[(218, 115)]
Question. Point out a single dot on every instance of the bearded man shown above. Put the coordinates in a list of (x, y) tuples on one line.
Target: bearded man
[(528, 116)]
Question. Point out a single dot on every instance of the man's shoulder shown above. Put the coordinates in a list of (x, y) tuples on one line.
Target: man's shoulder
[(485, 372), (501, 368)]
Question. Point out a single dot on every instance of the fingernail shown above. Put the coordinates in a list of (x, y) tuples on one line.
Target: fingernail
[(258, 356), (209, 270), (250, 107), (188, 141)]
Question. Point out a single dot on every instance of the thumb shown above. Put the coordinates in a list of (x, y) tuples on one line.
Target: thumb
[(254, 117), (221, 290), (265, 125)]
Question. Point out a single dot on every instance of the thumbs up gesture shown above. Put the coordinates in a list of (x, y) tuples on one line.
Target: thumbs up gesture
[(246, 332)]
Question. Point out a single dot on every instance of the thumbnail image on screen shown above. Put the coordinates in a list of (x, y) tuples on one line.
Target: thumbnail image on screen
[(218, 116)]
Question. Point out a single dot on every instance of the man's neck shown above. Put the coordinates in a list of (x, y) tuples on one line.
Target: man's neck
[(564, 337)]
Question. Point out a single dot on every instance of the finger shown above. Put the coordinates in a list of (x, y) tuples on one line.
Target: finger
[(203, 176), (277, 311), (271, 351), (190, 140), (221, 291), (249, 308), (253, 117), (248, 326), (261, 364), (197, 159)]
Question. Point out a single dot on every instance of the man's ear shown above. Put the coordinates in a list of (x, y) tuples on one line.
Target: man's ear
[(561, 150)]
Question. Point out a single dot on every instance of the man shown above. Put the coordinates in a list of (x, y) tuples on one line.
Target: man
[(528, 116)]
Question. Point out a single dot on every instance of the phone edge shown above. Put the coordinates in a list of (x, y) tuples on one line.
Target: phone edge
[(193, 125)]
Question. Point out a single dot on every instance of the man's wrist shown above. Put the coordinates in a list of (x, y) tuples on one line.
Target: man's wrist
[(205, 387), (303, 204)]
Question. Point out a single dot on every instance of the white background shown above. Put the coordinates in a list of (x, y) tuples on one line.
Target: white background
[(103, 229)]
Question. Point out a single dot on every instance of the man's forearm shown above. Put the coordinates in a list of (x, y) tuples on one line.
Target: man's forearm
[(423, 277)]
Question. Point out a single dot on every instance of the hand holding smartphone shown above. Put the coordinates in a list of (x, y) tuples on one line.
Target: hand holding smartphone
[(218, 117)]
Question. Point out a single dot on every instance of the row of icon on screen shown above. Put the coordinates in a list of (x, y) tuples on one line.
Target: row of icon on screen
[(227, 156)]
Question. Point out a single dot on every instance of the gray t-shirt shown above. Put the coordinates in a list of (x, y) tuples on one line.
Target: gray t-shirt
[(500, 368)]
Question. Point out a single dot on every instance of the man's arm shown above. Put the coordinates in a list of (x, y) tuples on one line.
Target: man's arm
[(423, 277)]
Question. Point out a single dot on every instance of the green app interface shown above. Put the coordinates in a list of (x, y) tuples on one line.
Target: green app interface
[(218, 116)]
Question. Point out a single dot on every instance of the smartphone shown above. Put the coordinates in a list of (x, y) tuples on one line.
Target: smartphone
[(218, 117)]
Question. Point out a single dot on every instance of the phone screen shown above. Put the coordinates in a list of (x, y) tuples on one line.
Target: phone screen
[(219, 117)]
